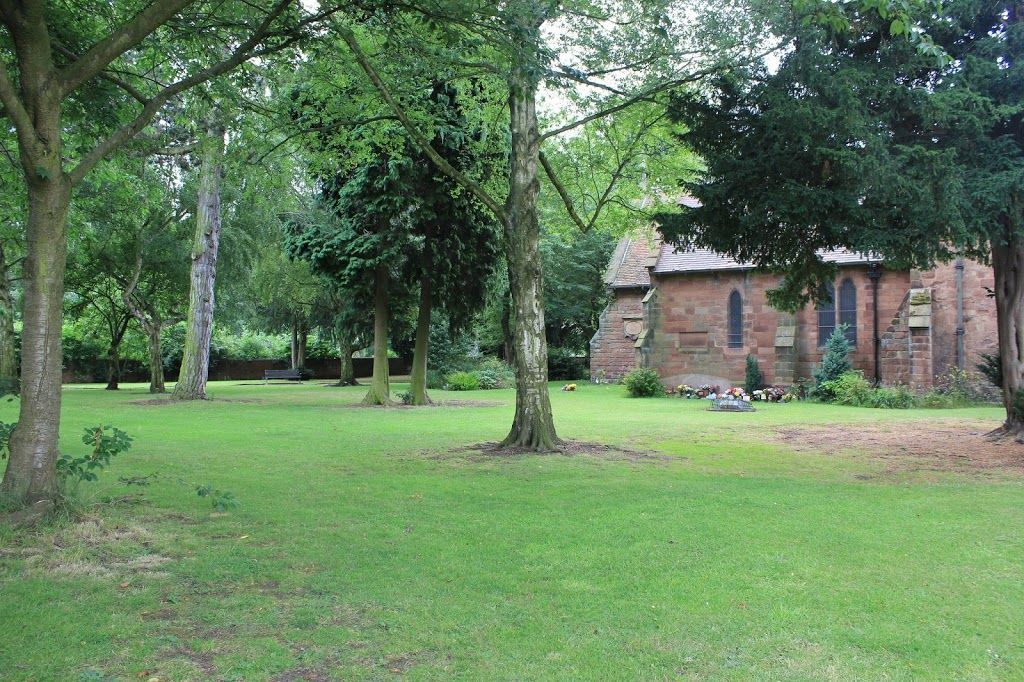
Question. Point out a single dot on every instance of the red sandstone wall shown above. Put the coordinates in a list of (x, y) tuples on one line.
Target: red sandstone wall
[(980, 330), (689, 324), (892, 289), (611, 350)]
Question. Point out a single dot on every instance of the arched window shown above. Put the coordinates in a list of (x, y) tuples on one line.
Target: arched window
[(735, 320), (848, 309), (827, 315)]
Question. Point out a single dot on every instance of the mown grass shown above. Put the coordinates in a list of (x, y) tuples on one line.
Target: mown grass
[(368, 546)]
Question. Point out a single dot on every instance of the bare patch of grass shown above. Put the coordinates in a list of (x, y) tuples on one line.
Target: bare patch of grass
[(939, 446), (568, 448)]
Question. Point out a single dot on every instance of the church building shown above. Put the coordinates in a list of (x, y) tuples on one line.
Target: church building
[(694, 316)]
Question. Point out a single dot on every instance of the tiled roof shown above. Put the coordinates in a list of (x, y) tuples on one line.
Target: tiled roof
[(704, 260), (628, 265)]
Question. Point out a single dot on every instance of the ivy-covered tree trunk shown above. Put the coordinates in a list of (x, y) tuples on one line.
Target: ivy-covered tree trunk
[(533, 426), (347, 373), (1008, 268), (195, 364), (380, 386), (31, 474), (8, 338), (418, 376), (156, 360)]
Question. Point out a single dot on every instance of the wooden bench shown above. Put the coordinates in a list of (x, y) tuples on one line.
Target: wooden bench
[(288, 374)]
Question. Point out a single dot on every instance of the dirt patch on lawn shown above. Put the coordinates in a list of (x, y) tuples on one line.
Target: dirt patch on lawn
[(954, 445), (569, 448), (436, 403), (163, 402)]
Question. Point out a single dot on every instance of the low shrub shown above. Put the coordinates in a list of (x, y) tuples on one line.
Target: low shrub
[(963, 388), (850, 388), (892, 398), (942, 401), (494, 373), (643, 383), (462, 381), (435, 378)]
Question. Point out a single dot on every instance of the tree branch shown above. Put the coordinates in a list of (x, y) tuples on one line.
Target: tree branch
[(127, 36), (129, 290), (18, 115), (124, 85), (651, 92), (563, 193), (132, 128), (417, 137)]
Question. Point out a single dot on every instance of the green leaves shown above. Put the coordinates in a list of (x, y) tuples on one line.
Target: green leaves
[(106, 442)]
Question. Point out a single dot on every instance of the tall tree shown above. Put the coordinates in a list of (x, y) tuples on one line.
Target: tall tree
[(862, 140), (621, 53), (195, 363), (359, 241), (50, 59)]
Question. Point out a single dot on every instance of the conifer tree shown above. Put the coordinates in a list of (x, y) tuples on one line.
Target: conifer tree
[(836, 360)]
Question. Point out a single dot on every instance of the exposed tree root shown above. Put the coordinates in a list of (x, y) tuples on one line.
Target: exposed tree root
[(1006, 433), (373, 398), (535, 440)]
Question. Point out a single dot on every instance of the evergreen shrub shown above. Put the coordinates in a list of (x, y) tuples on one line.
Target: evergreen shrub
[(643, 383)]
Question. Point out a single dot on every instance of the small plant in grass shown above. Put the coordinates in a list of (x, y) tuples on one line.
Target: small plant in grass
[(222, 500), (643, 383), (107, 442), (462, 381), (754, 379), (406, 397)]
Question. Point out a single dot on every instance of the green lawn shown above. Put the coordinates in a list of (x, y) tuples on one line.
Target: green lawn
[(368, 547)]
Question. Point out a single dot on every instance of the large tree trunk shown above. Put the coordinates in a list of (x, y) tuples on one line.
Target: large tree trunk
[(300, 352), (1008, 268), (295, 345), (418, 378), (195, 364), (8, 338), (508, 352), (533, 426), (380, 387), (156, 360), (31, 473), (347, 373), (113, 366)]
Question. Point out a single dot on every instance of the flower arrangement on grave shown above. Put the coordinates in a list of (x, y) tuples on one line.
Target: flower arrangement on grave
[(736, 393), (685, 391), (569, 387), (708, 391)]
